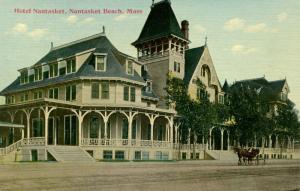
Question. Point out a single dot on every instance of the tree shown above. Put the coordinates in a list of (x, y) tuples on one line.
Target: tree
[(249, 109), (196, 115), (286, 122)]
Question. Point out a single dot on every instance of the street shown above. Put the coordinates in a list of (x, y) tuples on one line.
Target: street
[(182, 175)]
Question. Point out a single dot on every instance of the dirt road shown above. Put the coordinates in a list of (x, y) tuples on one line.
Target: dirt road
[(185, 175)]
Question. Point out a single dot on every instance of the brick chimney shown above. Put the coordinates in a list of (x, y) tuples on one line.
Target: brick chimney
[(185, 29)]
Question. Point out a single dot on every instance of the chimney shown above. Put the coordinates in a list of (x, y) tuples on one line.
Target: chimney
[(185, 30)]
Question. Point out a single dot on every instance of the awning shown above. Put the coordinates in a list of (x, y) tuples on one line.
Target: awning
[(6, 124)]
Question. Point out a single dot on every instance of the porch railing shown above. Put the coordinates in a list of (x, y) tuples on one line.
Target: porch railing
[(124, 142), (34, 141), (10, 148)]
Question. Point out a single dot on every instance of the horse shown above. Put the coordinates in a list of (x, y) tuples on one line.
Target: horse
[(246, 154)]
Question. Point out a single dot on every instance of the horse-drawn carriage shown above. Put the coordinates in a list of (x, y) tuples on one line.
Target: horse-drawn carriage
[(247, 156)]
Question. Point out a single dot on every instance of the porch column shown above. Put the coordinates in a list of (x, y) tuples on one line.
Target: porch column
[(12, 118), (47, 112), (222, 139), (213, 143), (152, 127), (189, 137), (54, 131), (228, 140), (293, 146), (171, 130), (129, 130), (28, 113), (270, 141), (210, 130)]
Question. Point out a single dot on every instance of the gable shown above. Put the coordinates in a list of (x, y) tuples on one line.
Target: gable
[(206, 62)]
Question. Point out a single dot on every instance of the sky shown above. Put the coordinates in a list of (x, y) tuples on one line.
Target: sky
[(247, 39)]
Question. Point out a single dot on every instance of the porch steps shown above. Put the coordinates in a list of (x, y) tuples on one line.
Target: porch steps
[(222, 155), (69, 154)]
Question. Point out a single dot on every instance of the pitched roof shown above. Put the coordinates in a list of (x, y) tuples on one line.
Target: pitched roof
[(192, 57), (161, 22), (268, 89), (100, 44)]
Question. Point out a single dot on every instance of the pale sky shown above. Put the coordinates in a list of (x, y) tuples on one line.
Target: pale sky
[(247, 39)]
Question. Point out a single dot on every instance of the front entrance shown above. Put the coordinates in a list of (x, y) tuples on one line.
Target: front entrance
[(70, 130)]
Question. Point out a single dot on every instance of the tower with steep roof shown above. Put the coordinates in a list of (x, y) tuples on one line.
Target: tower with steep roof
[(161, 46)]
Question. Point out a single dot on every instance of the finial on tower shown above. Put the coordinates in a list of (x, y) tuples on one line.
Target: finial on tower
[(103, 29), (206, 40)]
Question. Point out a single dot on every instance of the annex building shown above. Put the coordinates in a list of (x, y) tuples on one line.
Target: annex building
[(86, 100)]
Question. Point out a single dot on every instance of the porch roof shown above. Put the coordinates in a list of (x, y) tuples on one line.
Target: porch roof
[(6, 124)]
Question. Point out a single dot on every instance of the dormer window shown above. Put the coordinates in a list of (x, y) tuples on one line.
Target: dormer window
[(53, 70), (149, 86), (129, 68), (100, 63), (71, 65), (24, 77), (38, 74)]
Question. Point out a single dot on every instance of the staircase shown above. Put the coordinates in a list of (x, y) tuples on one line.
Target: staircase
[(69, 154), (222, 155)]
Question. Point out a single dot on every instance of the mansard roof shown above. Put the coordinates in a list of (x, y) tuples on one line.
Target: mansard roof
[(192, 57), (98, 44), (161, 22)]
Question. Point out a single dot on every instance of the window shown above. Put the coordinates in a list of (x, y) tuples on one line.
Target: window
[(24, 97), (105, 90), (31, 78), (53, 93), (203, 71), (201, 94), (132, 94), (10, 99), (95, 91), (137, 155), (24, 77), (71, 65), (38, 74), (53, 70), (145, 155), (62, 71), (94, 127), (148, 86), (126, 93), (130, 68), (283, 96), (177, 67), (37, 95), (107, 155), (46, 75), (100, 63), (221, 99), (119, 155), (71, 92)]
